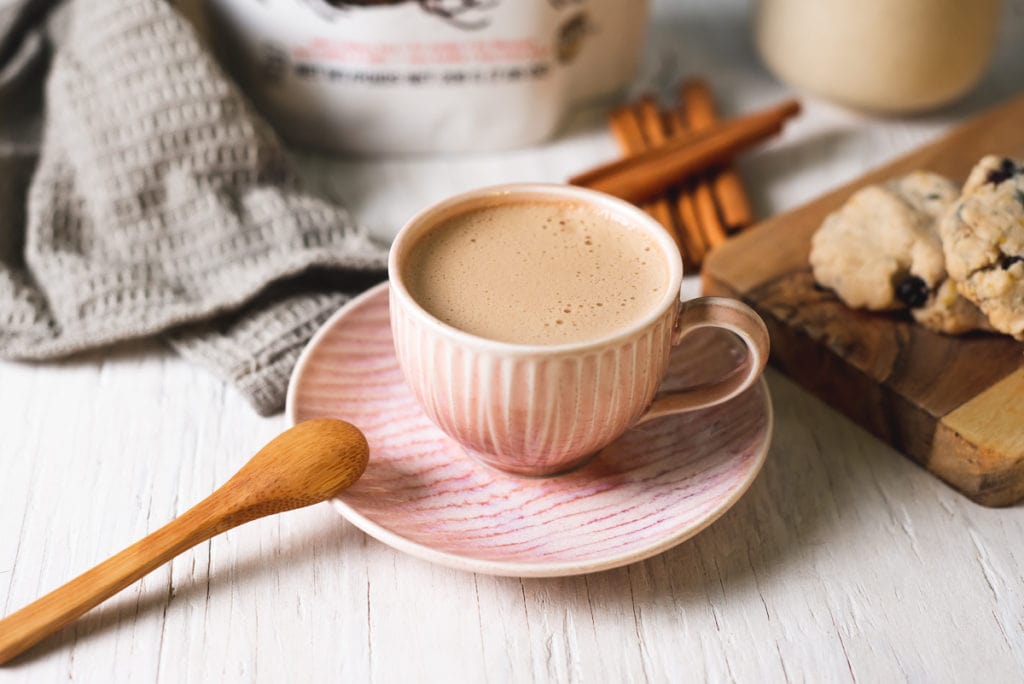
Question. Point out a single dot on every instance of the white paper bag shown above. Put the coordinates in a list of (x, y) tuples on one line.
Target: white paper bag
[(405, 76)]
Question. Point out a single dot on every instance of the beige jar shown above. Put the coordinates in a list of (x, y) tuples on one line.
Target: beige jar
[(881, 55)]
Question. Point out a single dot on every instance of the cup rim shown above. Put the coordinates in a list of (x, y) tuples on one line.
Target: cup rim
[(613, 205)]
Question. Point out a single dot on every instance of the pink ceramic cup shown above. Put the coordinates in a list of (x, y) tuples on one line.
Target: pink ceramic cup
[(540, 410)]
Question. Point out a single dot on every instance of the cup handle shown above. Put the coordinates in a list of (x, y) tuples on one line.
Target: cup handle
[(715, 312)]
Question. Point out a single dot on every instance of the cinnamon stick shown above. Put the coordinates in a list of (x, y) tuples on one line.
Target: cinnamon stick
[(700, 193), (731, 198), (657, 134), (628, 132), (644, 176), (625, 125)]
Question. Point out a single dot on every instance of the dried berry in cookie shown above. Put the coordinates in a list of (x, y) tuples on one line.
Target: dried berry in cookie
[(992, 170), (913, 292), (1004, 171)]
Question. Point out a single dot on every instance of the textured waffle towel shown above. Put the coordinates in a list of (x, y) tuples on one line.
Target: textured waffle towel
[(149, 199)]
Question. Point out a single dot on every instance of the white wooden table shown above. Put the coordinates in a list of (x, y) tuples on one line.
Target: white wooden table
[(843, 562)]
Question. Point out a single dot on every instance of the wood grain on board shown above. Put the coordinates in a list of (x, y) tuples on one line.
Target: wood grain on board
[(953, 404)]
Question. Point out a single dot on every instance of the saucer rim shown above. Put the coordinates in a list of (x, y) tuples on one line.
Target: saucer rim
[(513, 568)]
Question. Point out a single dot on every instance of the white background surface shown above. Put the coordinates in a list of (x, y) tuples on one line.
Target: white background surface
[(843, 562)]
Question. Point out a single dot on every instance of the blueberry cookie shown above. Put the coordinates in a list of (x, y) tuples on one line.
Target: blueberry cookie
[(983, 240), (880, 250)]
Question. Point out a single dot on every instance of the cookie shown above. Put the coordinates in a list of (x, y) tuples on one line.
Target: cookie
[(881, 250), (945, 311), (983, 242)]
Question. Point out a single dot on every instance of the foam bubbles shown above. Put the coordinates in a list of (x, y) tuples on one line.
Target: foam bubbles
[(498, 272)]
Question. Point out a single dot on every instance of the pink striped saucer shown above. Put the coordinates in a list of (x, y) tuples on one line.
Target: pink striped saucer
[(653, 488)]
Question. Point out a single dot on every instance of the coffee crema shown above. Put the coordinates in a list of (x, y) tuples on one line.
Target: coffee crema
[(537, 272)]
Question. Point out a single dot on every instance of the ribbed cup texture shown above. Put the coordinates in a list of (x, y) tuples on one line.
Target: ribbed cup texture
[(531, 414)]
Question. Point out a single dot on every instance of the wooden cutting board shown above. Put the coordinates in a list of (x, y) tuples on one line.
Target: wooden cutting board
[(953, 404)]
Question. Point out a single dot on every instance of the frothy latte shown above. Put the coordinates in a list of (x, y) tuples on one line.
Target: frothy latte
[(537, 272)]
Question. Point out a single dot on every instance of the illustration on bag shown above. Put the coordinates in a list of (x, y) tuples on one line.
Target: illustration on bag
[(464, 14)]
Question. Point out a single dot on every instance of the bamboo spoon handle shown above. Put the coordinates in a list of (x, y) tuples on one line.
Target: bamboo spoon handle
[(302, 466), (61, 606)]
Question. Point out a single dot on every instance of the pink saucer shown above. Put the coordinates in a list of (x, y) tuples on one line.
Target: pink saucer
[(653, 488)]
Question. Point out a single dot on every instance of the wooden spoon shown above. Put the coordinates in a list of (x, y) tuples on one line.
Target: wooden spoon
[(304, 465)]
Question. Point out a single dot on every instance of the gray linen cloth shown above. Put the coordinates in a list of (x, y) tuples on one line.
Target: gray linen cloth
[(147, 198)]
